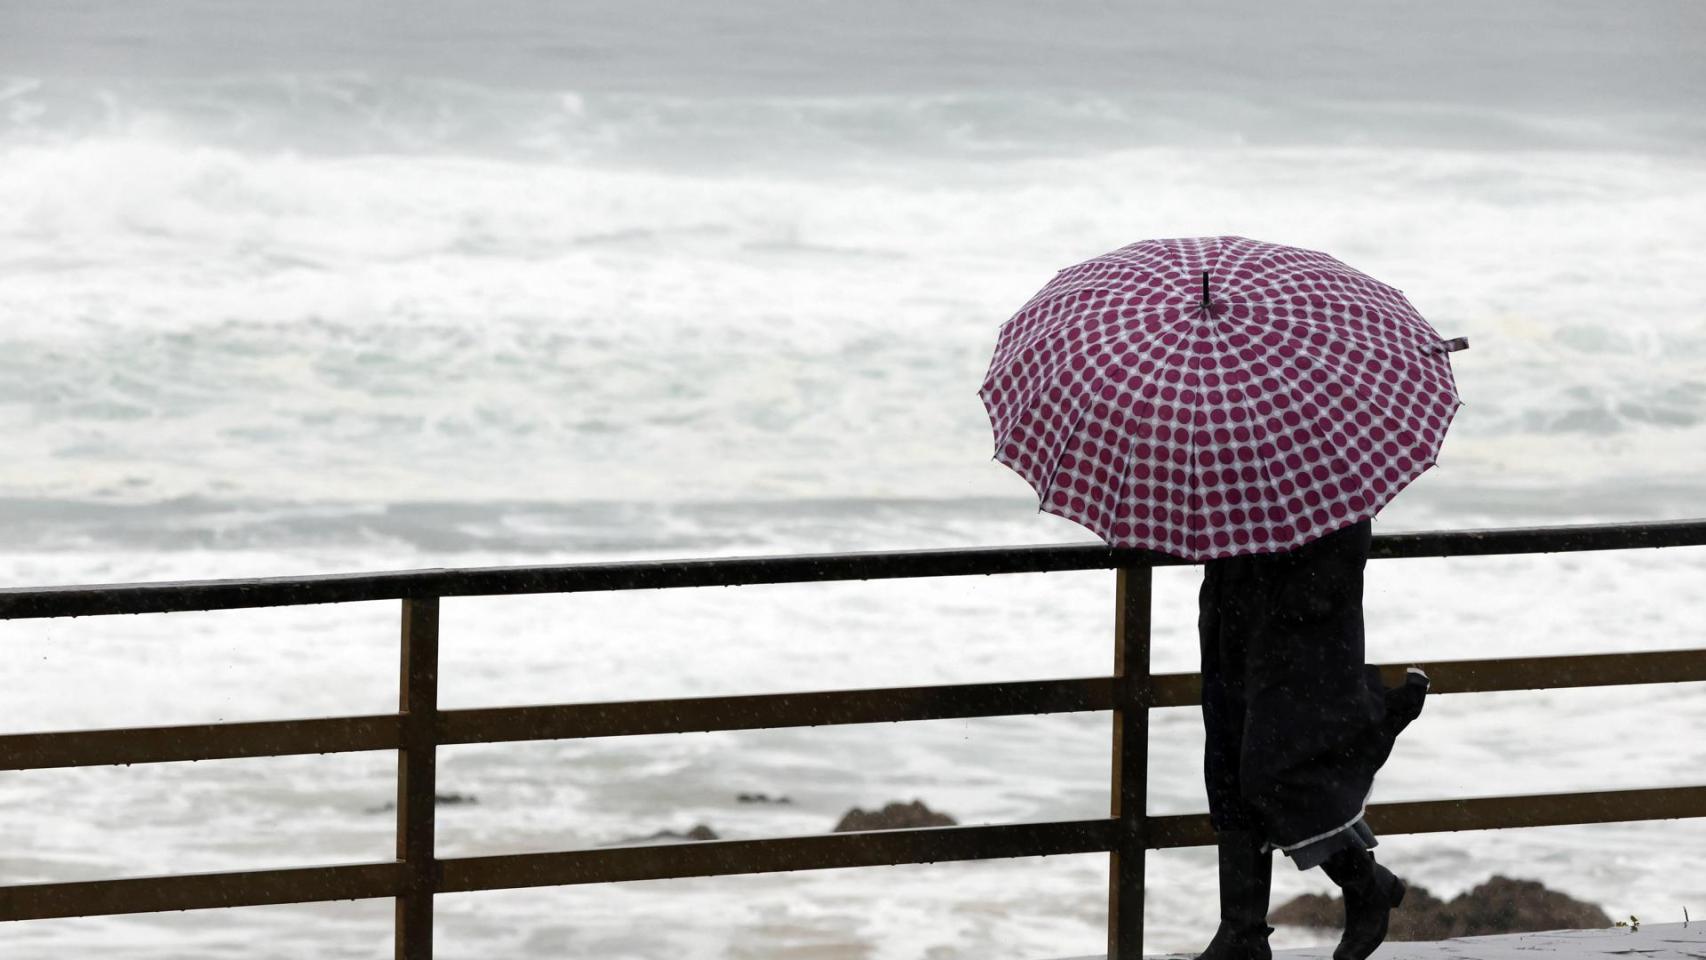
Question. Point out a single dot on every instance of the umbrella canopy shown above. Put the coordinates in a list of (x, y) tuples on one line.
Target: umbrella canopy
[(1215, 396)]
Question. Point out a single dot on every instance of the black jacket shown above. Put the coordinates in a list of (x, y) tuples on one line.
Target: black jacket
[(1297, 722)]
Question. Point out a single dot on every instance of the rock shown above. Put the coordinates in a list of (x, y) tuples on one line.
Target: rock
[(1422, 917), (1518, 906), (1313, 910), (446, 799), (698, 832), (1500, 905), (1421, 908), (761, 798), (894, 816)]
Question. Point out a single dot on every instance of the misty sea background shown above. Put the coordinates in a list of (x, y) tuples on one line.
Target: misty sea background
[(323, 287)]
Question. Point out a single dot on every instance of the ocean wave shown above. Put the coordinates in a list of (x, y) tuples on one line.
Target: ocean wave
[(444, 528), (544, 531), (188, 320), (355, 113)]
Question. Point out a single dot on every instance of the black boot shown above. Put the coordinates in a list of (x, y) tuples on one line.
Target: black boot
[(1371, 891), (1245, 873)]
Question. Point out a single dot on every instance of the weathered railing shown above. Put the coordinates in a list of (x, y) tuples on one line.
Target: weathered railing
[(418, 728)]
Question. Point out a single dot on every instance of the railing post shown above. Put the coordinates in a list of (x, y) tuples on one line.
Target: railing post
[(417, 778), (1132, 698)]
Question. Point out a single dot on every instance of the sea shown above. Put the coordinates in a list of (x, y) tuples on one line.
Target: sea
[(313, 287)]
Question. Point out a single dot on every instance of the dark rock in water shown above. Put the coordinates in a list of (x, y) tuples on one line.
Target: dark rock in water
[(761, 798), (698, 832), (1322, 910), (1518, 906), (1501, 905), (444, 799), (1314, 910), (894, 816)]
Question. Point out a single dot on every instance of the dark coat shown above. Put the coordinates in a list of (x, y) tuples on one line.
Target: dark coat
[(1297, 723)]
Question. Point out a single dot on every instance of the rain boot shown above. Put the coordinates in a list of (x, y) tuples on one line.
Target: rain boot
[(1371, 892), (1245, 873)]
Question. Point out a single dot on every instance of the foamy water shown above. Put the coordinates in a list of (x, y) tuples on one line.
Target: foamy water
[(274, 302)]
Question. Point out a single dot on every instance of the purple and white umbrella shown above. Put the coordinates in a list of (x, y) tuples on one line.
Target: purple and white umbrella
[(1215, 396)]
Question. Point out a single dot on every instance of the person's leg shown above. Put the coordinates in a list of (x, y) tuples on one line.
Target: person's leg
[(1371, 892), (1245, 861), (1320, 720), (1326, 725), (1220, 629)]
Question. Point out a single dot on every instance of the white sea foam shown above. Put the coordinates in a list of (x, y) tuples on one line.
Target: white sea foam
[(545, 288), (187, 668), (310, 327)]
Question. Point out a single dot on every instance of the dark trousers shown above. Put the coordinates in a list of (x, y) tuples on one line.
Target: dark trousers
[(1296, 721)]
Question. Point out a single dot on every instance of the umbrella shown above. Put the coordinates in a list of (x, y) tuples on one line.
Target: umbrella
[(1216, 396)]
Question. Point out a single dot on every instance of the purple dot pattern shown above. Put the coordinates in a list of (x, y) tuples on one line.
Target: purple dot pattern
[(1302, 399)]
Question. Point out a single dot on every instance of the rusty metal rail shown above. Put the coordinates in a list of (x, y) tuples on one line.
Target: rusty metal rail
[(419, 728), (84, 601)]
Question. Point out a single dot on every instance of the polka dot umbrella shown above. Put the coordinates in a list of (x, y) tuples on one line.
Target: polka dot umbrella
[(1216, 396)]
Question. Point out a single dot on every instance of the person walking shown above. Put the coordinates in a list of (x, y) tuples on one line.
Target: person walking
[(1297, 725), (1248, 406)]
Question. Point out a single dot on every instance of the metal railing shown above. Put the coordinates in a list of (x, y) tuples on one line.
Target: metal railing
[(418, 728)]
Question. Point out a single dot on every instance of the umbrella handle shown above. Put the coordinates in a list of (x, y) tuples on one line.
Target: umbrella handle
[(1448, 346)]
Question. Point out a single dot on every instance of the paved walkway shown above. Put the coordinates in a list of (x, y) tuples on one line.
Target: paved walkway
[(1658, 941)]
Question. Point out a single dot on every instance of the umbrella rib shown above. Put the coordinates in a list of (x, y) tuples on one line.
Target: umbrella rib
[(1133, 260), (1408, 320), (1173, 254), (1152, 387), (1090, 400), (1077, 284), (1329, 447), (1348, 374), (1226, 272), (1191, 497), (1289, 270), (1389, 346), (1191, 488), (1125, 480), (1066, 319), (1255, 248), (1333, 301), (1043, 381), (1367, 405), (1258, 431)]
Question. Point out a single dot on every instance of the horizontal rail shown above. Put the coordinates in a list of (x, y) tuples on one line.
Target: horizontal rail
[(74, 601), (1491, 676), (712, 858), (779, 854), (200, 891), (1481, 813), (202, 741), (216, 741), (697, 714), (761, 711)]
